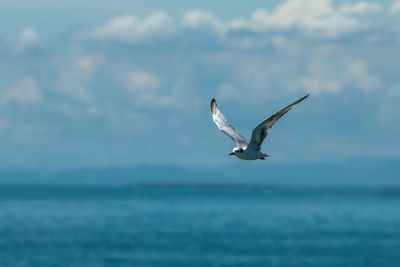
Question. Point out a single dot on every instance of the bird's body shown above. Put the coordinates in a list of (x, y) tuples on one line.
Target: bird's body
[(251, 150), (248, 154)]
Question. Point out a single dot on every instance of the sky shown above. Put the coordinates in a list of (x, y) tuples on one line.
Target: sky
[(126, 83)]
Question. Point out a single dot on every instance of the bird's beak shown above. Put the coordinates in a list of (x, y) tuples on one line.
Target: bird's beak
[(230, 154)]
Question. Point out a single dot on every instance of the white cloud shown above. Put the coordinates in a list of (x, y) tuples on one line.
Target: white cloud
[(317, 18), (322, 74), (142, 81), (237, 24), (73, 77), (360, 8), (361, 76), (228, 91), (197, 18), (79, 92), (132, 29), (72, 110), (323, 77), (24, 93), (319, 85), (28, 39), (86, 64), (395, 7), (143, 85), (311, 16), (147, 90)]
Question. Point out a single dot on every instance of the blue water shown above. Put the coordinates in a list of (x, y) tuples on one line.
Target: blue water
[(176, 225)]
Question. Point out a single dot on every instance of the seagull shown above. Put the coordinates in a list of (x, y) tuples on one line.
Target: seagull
[(252, 150)]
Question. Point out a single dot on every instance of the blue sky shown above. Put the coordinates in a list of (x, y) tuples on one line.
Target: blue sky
[(129, 83)]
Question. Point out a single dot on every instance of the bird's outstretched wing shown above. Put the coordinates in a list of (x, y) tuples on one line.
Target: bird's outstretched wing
[(224, 125), (261, 131)]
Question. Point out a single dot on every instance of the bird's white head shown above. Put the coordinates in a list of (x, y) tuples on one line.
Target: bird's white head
[(236, 150)]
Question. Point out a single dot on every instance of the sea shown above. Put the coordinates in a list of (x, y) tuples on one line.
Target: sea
[(198, 225)]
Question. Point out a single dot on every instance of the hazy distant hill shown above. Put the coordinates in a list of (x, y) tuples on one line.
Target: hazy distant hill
[(345, 173)]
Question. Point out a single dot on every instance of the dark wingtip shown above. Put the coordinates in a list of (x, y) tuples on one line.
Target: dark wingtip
[(301, 99), (213, 104)]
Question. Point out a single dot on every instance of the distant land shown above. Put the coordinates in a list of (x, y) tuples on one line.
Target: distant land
[(348, 173)]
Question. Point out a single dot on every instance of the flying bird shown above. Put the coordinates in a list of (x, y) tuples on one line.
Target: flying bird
[(243, 149)]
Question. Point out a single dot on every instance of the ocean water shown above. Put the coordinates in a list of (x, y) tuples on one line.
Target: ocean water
[(183, 225)]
